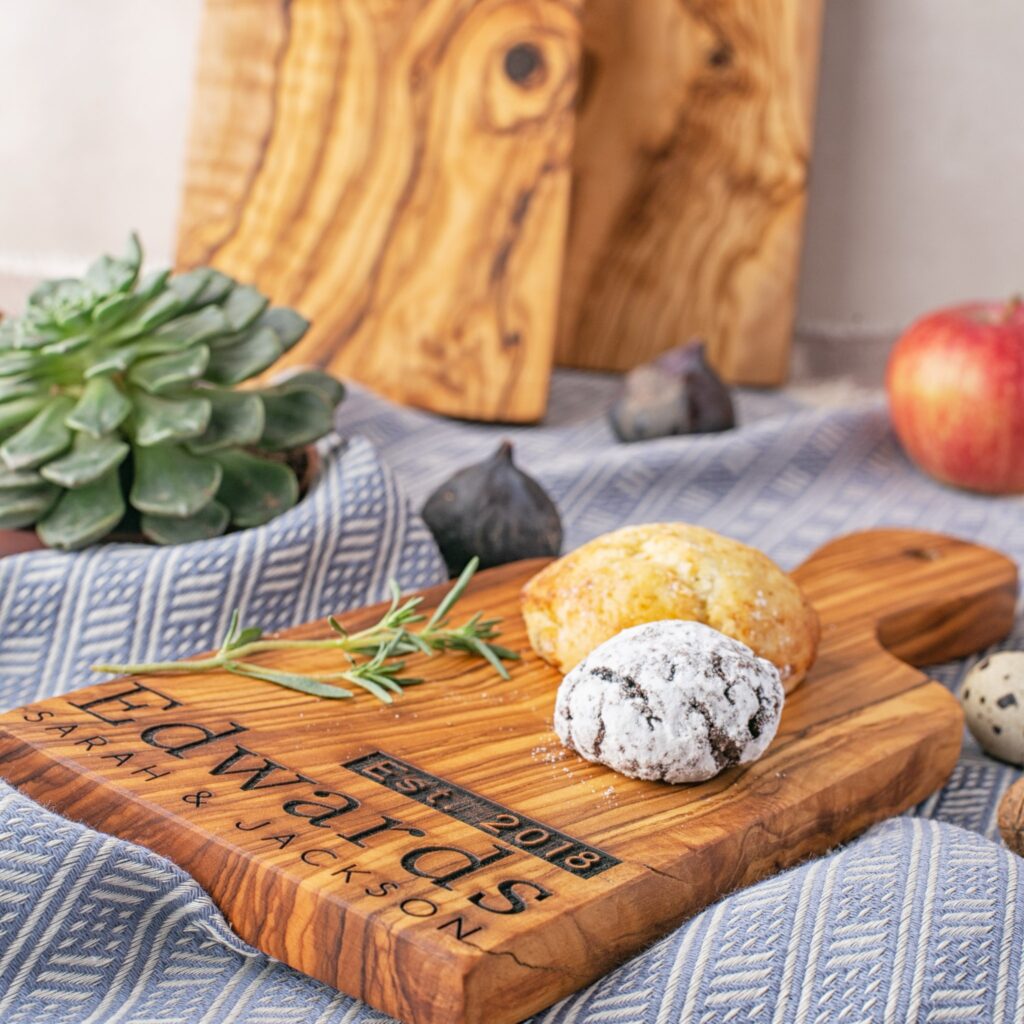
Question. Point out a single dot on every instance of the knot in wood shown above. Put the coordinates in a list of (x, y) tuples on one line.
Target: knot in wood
[(524, 64)]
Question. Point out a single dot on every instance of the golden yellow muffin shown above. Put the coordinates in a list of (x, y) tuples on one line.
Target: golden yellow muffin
[(669, 571)]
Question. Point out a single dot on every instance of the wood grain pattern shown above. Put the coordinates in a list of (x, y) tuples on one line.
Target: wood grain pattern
[(689, 182), (290, 818), (398, 172)]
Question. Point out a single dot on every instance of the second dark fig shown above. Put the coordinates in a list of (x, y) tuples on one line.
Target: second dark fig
[(495, 511), (677, 393)]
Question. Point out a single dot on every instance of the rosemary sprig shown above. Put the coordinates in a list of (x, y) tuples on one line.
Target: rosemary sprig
[(375, 655)]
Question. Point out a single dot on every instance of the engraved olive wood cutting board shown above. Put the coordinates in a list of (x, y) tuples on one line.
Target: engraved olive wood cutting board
[(444, 858)]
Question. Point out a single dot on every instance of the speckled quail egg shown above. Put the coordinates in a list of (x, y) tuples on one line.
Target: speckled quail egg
[(993, 700)]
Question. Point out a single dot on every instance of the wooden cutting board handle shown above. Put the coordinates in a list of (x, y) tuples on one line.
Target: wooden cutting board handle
[(924, 597)]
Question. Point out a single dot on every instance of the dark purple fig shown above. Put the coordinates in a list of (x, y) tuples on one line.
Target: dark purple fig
[(495, 511), (678, 393)]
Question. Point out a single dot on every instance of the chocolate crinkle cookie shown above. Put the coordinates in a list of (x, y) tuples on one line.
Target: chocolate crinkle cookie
[(673, 701)]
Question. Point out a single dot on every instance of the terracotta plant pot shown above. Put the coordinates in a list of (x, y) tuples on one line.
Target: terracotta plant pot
[(14, 542), (304, 461)]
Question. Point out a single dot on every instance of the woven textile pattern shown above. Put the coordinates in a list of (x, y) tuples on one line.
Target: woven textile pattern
[(919, 920), (61, 613)]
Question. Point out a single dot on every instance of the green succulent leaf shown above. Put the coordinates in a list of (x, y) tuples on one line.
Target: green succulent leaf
[(295, 416), (83, 516), (110, 274), (17, 411), (22, 506), (19, 479), (210, 521), (331, 389), (236, 420), (89, 458), (158, 373), (288, 325), (170, 481), (152, 284), (189, 285), (158, 419), (111, 311), (166, 304), (101, 408), (255, 490), (19, 362), (67, 314), (215, 290), (24, 338), (115, 309), (190, 328), (243, 305), (243, 358), (45, 290), (70, 320), (66, 345), (43, 437), (133, 250), (20, 387), (116, 361)]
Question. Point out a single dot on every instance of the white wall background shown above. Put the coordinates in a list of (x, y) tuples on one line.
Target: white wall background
[(917, 194), (94, 104), (917, 191)]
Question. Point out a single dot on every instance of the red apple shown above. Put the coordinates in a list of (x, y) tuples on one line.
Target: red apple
[(956, 395)]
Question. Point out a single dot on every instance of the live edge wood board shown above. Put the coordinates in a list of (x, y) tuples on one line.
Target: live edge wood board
[(398, 170), (426, 179), (690, 170), (445, 858)]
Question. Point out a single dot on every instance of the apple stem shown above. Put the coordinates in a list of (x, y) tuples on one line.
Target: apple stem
[(1010, 309)]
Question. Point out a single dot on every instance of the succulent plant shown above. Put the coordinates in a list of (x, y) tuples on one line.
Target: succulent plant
[(117, 400)]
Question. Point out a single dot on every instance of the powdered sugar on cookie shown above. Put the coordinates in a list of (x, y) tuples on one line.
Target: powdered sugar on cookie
[(675, 701)]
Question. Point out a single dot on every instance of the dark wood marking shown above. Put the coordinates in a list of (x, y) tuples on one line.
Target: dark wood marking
[(516, 829), (524, 64)]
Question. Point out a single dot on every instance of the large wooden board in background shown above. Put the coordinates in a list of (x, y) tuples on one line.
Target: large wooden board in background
[(399, 172), (445, 858), (689, 182)]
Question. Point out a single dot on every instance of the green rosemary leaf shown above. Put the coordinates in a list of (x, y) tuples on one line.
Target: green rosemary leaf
[(387, 682), (248, 635), (381, 648), (419, 644), (304, 684), (229, 636), (490, 657), (455, 593), (504, 653), (236, 637), (370, 685)]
